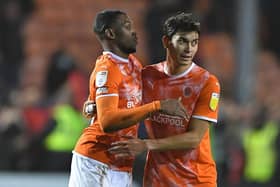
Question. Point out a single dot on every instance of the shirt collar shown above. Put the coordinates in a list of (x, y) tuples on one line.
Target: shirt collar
[(116, 57), (179, 75)]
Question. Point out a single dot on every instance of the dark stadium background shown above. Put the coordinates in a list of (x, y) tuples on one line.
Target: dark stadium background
[(48, 49)]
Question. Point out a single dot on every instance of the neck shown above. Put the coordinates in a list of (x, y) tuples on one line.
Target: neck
[(114, 49), (174, 68)]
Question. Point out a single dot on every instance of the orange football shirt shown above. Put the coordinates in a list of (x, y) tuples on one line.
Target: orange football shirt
[(119, 78), (199, 91)]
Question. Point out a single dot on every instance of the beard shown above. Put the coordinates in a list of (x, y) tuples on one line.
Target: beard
[(126, 48)]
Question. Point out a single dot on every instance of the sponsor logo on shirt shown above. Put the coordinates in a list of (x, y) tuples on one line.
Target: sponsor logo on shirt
[(134, 101), (214, 101), (168, 120), (101, 78), (102, 90)]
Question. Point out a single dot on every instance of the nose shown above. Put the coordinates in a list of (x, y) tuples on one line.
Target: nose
[(187, 47)]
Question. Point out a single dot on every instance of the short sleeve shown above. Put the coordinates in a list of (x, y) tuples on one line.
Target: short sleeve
[(105, 80), (207, 105)]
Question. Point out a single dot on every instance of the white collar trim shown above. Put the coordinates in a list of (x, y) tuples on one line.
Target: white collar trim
[(179, 75), (116, 57)]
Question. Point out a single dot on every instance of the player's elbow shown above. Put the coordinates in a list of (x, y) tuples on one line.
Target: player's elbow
[(107, 126), (106, 121), (109, 129), (110, 125)]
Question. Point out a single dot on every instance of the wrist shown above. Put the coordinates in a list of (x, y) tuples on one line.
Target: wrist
[(156, 105), (150, 144)]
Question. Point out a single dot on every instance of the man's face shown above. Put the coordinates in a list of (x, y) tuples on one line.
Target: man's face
[(183, 47), (126, 38)]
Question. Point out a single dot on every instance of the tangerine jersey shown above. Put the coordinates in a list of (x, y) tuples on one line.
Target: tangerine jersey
[(199, 91), (119, 81)]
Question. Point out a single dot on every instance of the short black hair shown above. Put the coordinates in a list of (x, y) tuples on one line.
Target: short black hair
[(104, 20), (180, 22)]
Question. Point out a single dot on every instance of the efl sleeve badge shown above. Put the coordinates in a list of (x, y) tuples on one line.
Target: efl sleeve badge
[(214, 101), (101, 78)]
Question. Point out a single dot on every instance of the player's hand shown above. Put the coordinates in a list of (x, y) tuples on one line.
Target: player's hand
[(89, 109), (128, 148), (173, 107)]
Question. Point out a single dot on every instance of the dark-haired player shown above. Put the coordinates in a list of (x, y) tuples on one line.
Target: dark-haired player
[(116, 88), (179, 151)]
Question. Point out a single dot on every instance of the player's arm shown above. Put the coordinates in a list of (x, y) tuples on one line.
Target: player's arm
[(104, 91), (204, 114), (106, 95), (189, 140), (107, 107), (113, 118)]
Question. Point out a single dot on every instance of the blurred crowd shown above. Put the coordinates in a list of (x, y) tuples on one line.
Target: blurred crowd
[(44, 73), (40, 103)]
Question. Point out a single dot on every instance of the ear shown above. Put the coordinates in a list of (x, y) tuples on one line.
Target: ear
[(109, 33), (165, 41)]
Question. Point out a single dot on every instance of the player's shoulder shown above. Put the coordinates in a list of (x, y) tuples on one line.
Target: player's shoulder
[(199, 70), (213, 82), (153, 71), (211, 77), (104, 62), (153, 67)]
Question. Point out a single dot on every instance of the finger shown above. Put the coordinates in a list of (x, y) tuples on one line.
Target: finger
[(123, 156), (180, 99), (120, 143), (184, 111), (185, 114), (181, 114), (88, 115), (118, 149), (128, 137), (118, 152), (89, 102), (182, 107)]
